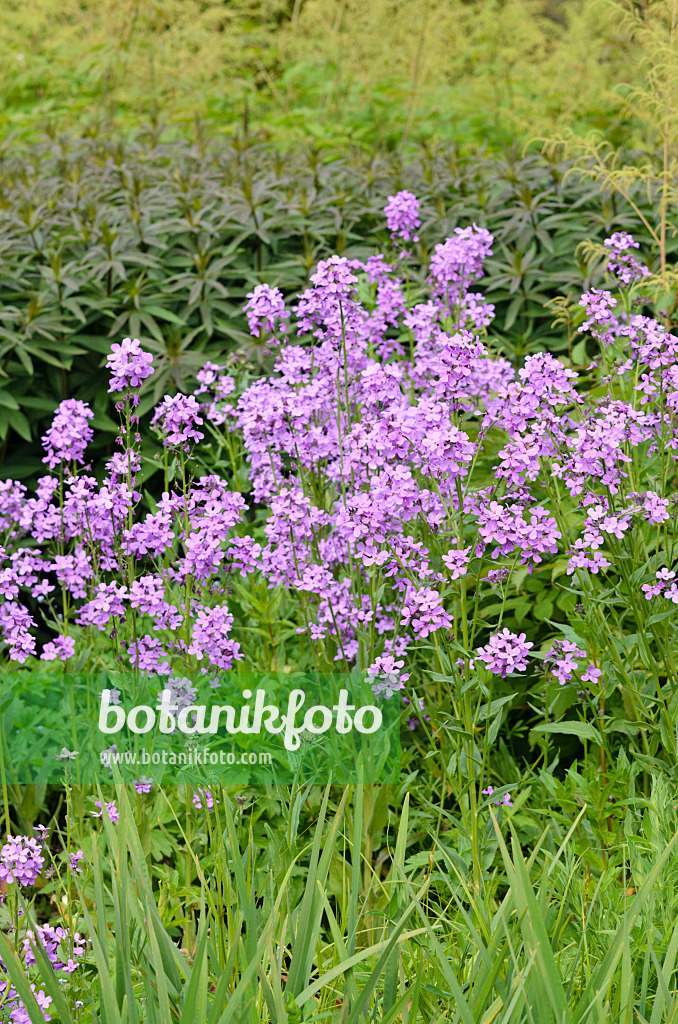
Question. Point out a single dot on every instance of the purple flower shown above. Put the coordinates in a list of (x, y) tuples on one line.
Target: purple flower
[(63, 950), (402, 216), (666, 586), (335, 277), (507, 527), (207, 796), (210, 637), (459, 259), (69, 434), (265, 308), (562, 660), (497, 575), (505, 652), (41, 833), (21, 860), (178, 418), (620, 242), (598, 306), (15, 623), (655, 509), (623, 266), (593, 562), (423, 609), (208, 376), (148, 655), (505, 800), (366, 448), (111, 810), (105, 605), (74, 861), (18, 1014), (457, 560), (143, 785), (387, 676), (129, 364), (62, 648), (414, 721), (478, 313), (182, 692)]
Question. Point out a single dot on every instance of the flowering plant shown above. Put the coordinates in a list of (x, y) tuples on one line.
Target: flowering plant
[(406, 484)]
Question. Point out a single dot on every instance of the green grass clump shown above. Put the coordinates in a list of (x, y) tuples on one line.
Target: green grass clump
[(328, 932)]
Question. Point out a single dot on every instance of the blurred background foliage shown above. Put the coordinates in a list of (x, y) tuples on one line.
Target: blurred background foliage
[(387, 71)]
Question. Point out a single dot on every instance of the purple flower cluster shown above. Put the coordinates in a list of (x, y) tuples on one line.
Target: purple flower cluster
[(505, 800), (361, 447), (387, 676), (112, 812), (21, 860), (561, 660), (64, 952), (459, 260), (69, 434), (505, 653), (74, 861), (129, 364), (622, 265), (457, 561), (402, 216), (204, 796), (666, 586), (178, 420), (61, 648), (265, 308), (87, 529), (55, 941)]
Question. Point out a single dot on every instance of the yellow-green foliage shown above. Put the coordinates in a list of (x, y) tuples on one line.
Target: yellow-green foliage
[(493, 59), (333, 68), (651, 104), (128, 55)]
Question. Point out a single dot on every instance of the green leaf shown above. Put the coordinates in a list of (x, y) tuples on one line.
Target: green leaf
[(21, 425), (7, 399), (583, 730)]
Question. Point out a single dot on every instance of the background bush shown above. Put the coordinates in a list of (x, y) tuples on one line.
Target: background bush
[(386, 71)]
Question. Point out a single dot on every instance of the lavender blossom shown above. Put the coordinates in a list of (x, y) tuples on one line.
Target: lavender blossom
[(69, 434), (265, 308), (129, 364), (402, 216), (21, 860), (505, 653), (178, 418)]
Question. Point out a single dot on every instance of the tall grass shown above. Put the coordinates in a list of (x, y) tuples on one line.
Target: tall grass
[(539, 941)]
